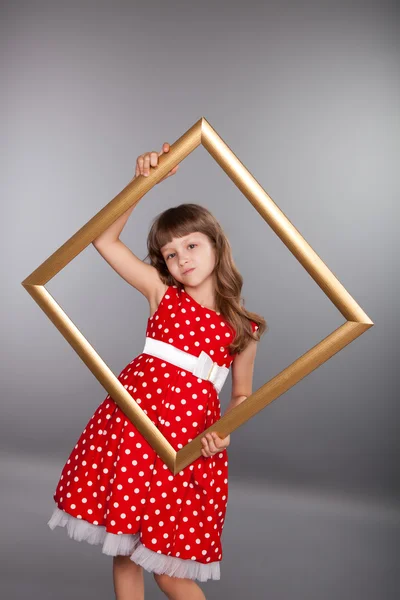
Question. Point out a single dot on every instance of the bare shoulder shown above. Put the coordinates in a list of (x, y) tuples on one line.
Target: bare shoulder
[(155, 297)]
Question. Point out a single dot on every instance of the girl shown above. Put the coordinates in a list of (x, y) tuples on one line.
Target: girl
[(114, 489)]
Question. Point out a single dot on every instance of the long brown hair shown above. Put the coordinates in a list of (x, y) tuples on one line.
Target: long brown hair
[(184, 219)]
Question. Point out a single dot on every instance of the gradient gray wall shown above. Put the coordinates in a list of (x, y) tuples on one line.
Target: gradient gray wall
[(306, 94)]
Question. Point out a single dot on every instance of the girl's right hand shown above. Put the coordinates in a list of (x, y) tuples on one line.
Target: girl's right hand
[(150, 159)]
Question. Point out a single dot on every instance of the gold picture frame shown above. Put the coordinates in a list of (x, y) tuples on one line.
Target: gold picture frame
[(356, 320)]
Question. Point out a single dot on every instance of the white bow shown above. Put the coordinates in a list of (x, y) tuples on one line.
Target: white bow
[(207, 369)]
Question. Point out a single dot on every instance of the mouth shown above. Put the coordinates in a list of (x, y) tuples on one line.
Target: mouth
[(188, 271)]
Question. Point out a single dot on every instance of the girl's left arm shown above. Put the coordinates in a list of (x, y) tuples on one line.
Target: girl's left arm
[(242, 387), (242, 375)]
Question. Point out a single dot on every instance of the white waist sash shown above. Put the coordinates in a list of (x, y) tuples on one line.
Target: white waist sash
[(201, 366)]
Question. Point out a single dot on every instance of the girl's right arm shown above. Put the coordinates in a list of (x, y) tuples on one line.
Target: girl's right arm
[(137, 273)]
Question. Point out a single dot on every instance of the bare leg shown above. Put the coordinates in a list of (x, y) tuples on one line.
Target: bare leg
[(178, 588), (128, 579)]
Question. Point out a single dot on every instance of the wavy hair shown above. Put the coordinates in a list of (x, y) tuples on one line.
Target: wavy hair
[(184, 219)]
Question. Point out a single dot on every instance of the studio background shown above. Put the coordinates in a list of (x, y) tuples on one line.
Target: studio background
[(306, 94)]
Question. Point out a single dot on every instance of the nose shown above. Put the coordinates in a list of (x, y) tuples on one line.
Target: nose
[(182, 259)]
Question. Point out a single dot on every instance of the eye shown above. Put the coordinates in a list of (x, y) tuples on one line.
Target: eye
[(172, 253)]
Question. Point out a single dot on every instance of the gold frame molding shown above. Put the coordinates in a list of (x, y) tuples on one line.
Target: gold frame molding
[(357, 322)]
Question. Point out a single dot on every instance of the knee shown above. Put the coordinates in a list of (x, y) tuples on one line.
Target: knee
[(126, 562), (164, 581)]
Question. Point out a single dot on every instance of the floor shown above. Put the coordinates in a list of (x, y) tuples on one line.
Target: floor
[(279, 543)]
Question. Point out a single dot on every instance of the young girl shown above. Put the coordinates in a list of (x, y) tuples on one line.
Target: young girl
[(114, 489)]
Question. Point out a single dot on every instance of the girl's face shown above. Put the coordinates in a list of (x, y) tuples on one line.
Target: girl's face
[(194, 251)]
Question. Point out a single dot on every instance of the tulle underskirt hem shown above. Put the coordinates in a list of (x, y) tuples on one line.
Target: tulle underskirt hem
[(127, 544)]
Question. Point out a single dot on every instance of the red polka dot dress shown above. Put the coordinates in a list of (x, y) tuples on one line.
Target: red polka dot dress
[(114, 489)]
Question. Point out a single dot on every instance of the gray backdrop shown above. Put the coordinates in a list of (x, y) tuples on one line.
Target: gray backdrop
[(306, 94)]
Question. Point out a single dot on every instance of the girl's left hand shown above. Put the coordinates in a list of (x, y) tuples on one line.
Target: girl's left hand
[(212, 443)]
